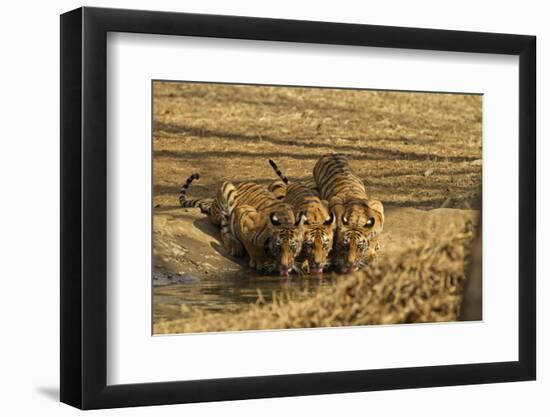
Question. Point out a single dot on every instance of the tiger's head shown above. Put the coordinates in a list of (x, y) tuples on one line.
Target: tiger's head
[(358, 223), (285, 238), (319, 226)]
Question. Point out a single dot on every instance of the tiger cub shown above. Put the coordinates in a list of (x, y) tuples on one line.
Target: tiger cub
[(318, 222), (359, 221), (253, 221)]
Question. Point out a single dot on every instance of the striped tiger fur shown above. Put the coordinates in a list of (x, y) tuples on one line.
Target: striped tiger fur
[(318, 223), (218, 211), (205, 204), (255, 222), (359, 220)]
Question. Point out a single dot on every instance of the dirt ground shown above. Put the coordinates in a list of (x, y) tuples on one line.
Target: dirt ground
[(416, 152), (412, 149)]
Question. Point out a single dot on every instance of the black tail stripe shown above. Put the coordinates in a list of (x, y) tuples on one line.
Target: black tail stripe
[(278, 171)]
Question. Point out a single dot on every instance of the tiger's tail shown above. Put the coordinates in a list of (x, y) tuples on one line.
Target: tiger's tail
[(205, 204), (278, 171)]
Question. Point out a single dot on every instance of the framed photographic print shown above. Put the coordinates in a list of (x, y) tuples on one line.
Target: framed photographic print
[(257, 207)]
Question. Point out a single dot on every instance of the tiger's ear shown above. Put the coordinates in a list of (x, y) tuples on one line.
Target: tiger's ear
[(330, 219), (370, 223), (378, 208), (274, 220), (300, 219), (376, 205)]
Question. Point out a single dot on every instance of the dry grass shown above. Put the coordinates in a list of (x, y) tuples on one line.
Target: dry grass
[(412, 149), (424, 284)]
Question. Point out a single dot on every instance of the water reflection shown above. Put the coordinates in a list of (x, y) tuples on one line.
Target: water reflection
[(227, 293)]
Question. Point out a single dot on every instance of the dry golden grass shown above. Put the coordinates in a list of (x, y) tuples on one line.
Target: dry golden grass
[(411, 149), (424, 284)]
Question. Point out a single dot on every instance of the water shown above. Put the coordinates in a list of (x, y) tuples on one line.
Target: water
[(227, 293)]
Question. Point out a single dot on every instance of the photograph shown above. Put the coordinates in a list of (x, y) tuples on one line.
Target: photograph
[(294, 207), (275, 208)]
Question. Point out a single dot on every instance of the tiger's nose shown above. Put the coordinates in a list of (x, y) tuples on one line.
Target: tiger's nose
[(287, 262)]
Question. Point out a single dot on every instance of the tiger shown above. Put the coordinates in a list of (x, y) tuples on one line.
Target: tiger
[(254, 222), (359, 220), (318, 222)]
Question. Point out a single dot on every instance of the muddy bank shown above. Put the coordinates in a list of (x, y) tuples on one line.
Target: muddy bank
[(192, 275), (422, 284), (187, 249)]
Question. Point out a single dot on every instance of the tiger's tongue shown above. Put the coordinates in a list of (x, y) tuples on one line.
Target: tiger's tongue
[(283, 272), (317, 271)]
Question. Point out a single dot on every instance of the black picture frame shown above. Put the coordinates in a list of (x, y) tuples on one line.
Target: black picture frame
[(84, 207)]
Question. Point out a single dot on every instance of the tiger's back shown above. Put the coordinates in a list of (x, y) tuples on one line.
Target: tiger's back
[(267, 227), (253, 221), (318, 223), (359, 220), (335, 179)]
